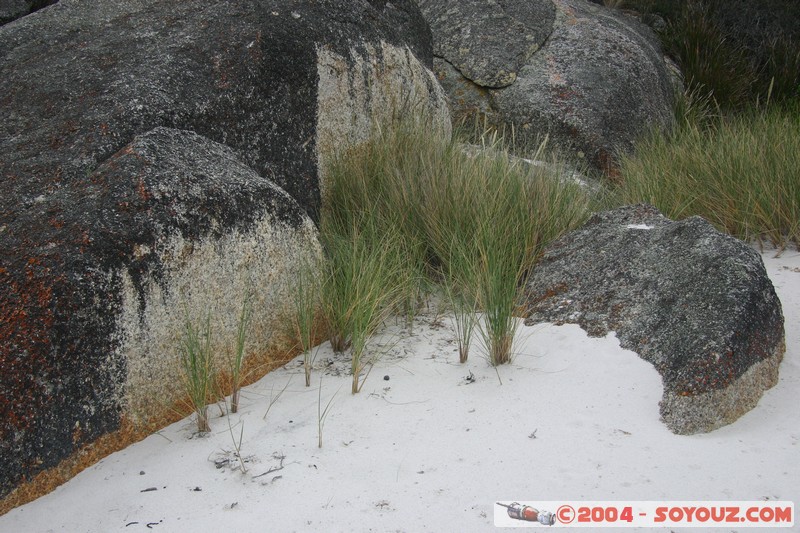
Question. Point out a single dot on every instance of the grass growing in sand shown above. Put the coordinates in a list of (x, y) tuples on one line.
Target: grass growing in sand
[(472, 219), (364, 282)]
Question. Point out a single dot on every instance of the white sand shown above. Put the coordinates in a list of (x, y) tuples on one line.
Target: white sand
[(572, 418)]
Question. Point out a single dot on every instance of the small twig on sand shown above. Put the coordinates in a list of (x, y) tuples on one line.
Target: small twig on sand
[(271, 470)]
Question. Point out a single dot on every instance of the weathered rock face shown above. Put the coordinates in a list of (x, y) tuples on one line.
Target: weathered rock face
[(180, 224), (488, 42), (146, 151), (14, 9), (590, 77), (694, 302)]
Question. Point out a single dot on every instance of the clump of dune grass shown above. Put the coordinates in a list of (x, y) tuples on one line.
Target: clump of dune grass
[(459, 284), (490, 232), (366, 279), (375, 292), (742, 174), (500, 276), (479, 217), (412, 280), (710, 61), (196, 360)]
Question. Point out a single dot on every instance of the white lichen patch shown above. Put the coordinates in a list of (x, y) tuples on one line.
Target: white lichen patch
[(639, 226), (214, 278), (358, 93)]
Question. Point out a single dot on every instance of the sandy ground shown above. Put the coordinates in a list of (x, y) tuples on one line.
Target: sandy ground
[(430, 444)]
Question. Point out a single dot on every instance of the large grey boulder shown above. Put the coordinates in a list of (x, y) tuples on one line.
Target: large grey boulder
[(692, 301), (170, 225), (591, 78), (281, 83), (161, 156)]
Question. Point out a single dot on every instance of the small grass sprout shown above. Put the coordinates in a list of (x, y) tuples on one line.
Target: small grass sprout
[(322, 414), (273, 398), (236, 360), (237, 444), (305, 300)]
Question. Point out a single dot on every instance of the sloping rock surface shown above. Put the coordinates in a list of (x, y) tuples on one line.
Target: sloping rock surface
[(146, 151), (692, 301)]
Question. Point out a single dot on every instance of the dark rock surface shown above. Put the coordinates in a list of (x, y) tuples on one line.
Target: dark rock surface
[(754, 25), (79, 80), (694, 302), (144, 149), (13, 9), (591, 78)]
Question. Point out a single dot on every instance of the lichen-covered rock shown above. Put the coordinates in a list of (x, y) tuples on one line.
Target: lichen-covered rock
[(200, 232), (692, 301), (354, 94), (145, 147), (92, 314), (591, 78)]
